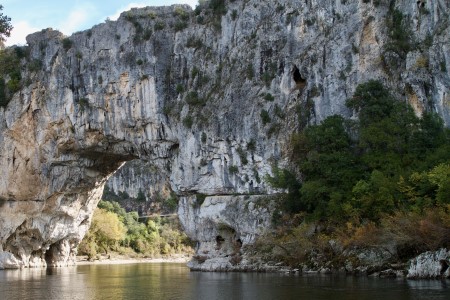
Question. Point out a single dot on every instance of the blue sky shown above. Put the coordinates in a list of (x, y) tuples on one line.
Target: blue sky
[(29, 16)]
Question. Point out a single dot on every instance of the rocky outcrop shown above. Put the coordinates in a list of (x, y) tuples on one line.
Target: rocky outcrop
[(430, 265), (208, 99), (137, 179), (223, 227)]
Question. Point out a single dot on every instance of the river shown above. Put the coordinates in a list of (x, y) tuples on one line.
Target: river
[(175, 281)]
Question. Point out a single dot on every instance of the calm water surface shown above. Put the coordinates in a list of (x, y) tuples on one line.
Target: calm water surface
[(175, 281)]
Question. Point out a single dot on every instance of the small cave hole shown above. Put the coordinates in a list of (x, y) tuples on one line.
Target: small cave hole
[(219, 241), (444, 266), (421, 4), (49, 258), (239, 243), (299, 80)]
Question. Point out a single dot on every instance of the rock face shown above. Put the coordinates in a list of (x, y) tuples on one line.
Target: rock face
[(430, 265), (223, 227), (208, 99)]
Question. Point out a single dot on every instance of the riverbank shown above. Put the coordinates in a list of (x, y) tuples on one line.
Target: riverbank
[(121, 259)]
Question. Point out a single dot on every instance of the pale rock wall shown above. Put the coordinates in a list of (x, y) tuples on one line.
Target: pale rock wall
[(429, 265), (120, 93), (223, 226)]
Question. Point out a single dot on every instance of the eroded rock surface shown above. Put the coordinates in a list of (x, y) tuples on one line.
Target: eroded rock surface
[(223, 227), (208, 100), (430, 265)]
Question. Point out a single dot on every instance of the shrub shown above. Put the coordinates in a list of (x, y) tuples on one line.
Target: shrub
[(218, 7), (443, 66), (233, 170), (194, 72), (179, 25), (171, 203), (422, 62), (179, 89), (279, 112), (192, 98), (188, 122), (84, 103), (399, 33), (147, 34), (67, 44), (267, 77), (242, 155), (265, 117), (3, 100), (251, 145), (314, 92), (141, 196), (234, 15), (159, 25), (250, 72), (10, 67), (181, 13), (269, 97), (14, 83), (193, 42), (35, 65)]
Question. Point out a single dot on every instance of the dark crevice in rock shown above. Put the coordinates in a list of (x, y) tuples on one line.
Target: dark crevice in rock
[(219, 241), (299, 80)]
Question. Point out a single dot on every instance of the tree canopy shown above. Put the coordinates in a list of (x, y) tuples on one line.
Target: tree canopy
[(5, 25), (388, 160)]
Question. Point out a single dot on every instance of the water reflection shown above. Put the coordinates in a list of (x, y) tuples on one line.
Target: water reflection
[(174, 281), (50, 284)]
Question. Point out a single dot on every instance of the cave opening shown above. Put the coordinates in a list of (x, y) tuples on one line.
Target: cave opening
[(421, 4), (297, 77), (219, 241), (49, 257)]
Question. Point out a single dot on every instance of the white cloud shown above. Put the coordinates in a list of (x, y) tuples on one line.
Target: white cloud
[(192, 3), (20, 31), (116, 15), (75, 20)]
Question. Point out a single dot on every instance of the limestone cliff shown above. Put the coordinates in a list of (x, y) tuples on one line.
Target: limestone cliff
[(207, 97)]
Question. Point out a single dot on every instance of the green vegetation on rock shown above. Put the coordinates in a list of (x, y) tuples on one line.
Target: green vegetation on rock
[(5, 25), (388, 172), (10, 73)]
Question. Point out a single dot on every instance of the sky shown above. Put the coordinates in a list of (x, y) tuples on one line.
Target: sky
[(28, 16)]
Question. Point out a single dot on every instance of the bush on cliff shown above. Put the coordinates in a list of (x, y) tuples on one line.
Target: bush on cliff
[(384, 176)]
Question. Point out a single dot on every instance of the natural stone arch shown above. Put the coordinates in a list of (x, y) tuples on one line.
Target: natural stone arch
[(64, 134)]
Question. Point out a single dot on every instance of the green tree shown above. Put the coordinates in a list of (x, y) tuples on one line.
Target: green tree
[(440, 177), (141, 196), (375, 196), (284, 179), (372, 101), (5, 25), (107, 229)]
